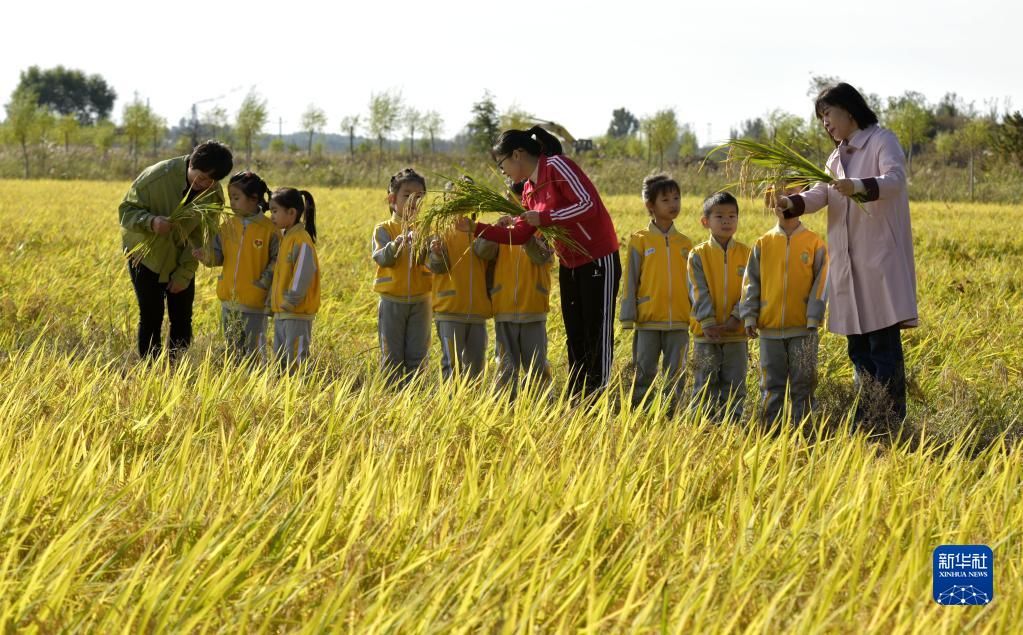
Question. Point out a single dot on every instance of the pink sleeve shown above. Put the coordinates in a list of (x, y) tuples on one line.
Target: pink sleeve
[(891, 162)]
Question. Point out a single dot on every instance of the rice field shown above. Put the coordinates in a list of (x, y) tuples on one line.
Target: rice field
[(220, 498)]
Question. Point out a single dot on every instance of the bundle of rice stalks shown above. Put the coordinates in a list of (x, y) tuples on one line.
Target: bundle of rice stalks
[(467, 198), (763, 167), (204, 211)]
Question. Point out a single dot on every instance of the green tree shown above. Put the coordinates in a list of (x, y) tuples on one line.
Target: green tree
[(1008, 138), (623, 124), (137, 122), (348, 126), (384, 113), (23, 122), (69, 92), (433, 124), (68, 127), (661, 131), (103, 135), (249, 122), (688, 146), (412, 119), (484, 126), (785, 127), (910, 120), (972, 138), (313, 120)]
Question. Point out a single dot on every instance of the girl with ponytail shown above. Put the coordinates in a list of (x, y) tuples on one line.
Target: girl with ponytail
[(557, 192), (246, 246), (295, 296)]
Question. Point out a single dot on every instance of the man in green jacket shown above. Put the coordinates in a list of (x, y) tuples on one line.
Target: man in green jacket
[(163, 270)]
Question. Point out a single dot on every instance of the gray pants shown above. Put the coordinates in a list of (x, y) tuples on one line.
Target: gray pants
[(790, 362), (291, 341), (404, 332), (520, 345), (719, 376), (245, 332), (647, 349), (463, 347)]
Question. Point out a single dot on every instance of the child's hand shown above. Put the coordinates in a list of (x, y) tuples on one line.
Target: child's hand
[(176, 287), (713, 332), (398, 241), (731, 325), (411, 236), (199, 254), (751, 331), (531, 217), (463, 224), (160, 225), (505, 221), (436, 246), (782, 203)]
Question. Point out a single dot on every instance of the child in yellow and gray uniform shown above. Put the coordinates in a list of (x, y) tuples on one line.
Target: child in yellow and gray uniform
[(784, 295), (520, 293), (246, 247), (295, 295), (461, 306), (656, 298), (403, 282), (716, 268)]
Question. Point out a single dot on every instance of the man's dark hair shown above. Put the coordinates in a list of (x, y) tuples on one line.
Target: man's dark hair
[(212, 158)]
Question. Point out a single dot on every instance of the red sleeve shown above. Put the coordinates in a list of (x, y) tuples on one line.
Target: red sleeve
[(568, 182), (517, 234)]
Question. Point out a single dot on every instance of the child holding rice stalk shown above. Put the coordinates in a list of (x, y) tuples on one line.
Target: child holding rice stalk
[(295, 293), (520, 293), (403, 282), (246, 247), (461, 304), (656, 299), (171, 207), (784, 295), (558, 193), (872, 277), (716, 268)]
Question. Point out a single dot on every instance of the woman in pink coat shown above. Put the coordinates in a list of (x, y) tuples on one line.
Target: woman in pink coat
[(871, 279)]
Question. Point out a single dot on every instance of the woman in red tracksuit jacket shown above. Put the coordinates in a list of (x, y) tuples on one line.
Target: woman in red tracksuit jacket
[(557, 192)]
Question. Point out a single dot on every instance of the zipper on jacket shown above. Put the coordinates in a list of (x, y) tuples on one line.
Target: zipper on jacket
[(238, 262), (785, 283), (667, 247), (725, 296)]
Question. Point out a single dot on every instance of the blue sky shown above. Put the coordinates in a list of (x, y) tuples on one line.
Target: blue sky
[(716, 63)]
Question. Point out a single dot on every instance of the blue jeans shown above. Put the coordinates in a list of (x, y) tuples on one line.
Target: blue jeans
[(878, 355)]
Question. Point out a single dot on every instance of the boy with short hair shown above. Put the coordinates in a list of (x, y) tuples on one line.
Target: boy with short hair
[(716, 269)]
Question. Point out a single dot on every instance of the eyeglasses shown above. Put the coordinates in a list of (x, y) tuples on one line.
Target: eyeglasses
[(501, 162)]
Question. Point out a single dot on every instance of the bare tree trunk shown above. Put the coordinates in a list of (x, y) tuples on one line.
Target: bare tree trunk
[(972, 180), (24, 154), (351, 142), (310, 149), (412, 143)]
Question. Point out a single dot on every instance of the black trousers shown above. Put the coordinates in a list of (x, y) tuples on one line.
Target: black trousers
[(151, 295), (878, 355), (588, 298)]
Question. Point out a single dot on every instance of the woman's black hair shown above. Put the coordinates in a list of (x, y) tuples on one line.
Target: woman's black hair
[(252, 186), (408, 175), (302, 202), (848, 99), (535, 141), (657, 184), (212, 158)]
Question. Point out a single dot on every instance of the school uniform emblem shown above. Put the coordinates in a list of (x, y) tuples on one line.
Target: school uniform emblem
[(805, 257), (258, 243), (741, 269)]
